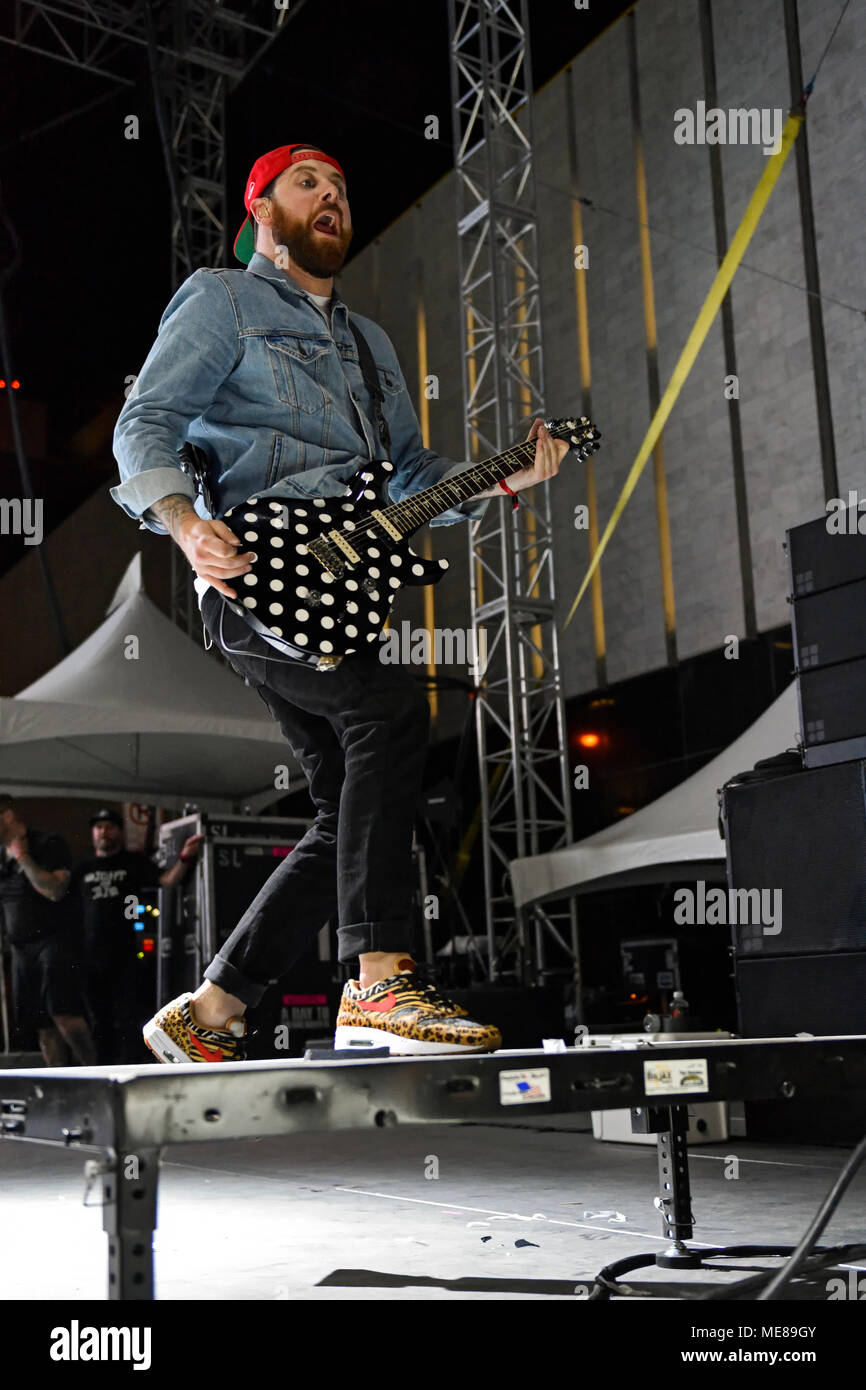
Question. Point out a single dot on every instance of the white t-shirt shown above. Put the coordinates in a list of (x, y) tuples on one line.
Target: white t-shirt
[(323, 304)]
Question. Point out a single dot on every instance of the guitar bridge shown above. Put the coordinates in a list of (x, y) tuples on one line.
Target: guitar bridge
[(327, 558)]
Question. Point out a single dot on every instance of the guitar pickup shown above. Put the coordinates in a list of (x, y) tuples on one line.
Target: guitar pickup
[(387, 527), (340, 540)]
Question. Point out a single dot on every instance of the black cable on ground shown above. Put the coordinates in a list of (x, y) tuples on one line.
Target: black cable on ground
[(771, 1284), (822, 1216), (819, 1260)]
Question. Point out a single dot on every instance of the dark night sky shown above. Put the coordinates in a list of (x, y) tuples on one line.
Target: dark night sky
[(91, 208)]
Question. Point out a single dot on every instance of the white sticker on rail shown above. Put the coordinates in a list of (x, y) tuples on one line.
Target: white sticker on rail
[(676, 1076), (524, 1087)]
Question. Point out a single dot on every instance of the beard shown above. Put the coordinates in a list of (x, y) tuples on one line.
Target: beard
[(316, 253)]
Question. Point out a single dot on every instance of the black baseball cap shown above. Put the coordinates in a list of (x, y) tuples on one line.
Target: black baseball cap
[(114, 816)]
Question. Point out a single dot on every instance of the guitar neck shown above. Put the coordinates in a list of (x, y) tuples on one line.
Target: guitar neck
[(423, 506)]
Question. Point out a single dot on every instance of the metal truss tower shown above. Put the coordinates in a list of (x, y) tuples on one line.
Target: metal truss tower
[(197, 51), (522, 738)]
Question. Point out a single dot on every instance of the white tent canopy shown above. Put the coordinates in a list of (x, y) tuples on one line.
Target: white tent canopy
[(140, 712), (676, 833)]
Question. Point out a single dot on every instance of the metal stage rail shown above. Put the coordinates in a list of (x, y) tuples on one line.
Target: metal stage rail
[(130, 1114)]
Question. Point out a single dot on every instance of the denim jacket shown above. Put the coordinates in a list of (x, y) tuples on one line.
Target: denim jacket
[(245, 366)]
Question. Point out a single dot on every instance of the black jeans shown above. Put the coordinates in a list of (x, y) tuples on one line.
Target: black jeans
[(47, 979), (360, 734)]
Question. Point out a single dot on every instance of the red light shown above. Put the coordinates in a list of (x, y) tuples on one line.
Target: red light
[(280, 851), (16, 384), (148, 944), (589, 740), (2, 384)]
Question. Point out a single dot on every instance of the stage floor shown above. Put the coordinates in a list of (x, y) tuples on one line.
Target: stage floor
[(351, 1215)]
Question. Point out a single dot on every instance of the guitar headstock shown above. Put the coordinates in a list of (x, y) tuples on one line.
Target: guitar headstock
[(581, 434)]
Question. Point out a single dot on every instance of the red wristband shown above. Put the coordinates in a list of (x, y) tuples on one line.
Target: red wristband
[(512, 495)]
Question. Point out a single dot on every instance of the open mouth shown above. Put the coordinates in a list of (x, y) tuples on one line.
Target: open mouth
[(327, 223)]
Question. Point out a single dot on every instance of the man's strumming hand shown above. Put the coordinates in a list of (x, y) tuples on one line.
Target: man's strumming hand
[(211, 547)]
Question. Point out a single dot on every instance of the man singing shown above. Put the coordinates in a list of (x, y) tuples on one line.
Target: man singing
[(260, 369)]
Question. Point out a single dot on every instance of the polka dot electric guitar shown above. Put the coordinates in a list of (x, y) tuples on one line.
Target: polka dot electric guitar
[(328, 569)]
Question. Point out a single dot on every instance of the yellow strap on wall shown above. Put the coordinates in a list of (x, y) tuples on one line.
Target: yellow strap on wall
[(695, 342)]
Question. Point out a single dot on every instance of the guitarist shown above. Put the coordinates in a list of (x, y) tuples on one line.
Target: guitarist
[(260, 369)]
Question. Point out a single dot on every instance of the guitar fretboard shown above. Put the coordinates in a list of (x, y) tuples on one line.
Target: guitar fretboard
[(423, 506)]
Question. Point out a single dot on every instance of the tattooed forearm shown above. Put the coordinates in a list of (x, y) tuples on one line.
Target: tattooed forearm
[(51, 883), (170, 511)]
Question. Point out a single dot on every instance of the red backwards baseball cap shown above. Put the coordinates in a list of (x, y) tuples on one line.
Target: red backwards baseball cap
[(266, 168)]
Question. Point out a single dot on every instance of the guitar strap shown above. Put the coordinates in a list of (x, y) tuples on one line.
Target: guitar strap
[(371, 381)]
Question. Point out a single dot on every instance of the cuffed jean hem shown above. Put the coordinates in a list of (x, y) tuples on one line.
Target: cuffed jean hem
[(221, 973), (363, 937)]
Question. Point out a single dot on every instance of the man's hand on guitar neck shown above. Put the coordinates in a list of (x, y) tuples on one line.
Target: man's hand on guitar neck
[(211, 547), (549, 453)]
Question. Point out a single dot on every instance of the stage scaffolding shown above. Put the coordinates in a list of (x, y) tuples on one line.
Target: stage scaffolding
[(196, 52), (522, 738)]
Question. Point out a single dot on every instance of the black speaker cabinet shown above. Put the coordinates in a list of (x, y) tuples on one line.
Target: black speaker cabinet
[(802, 836), (820, 559), (778, 997), (830, 627), (828, 620), (833, 712), (823, 994)]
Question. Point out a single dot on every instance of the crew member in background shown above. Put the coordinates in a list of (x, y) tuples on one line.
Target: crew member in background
[(41, 931), (103, 884)]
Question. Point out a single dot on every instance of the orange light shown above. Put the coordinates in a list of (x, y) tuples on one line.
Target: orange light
[(2, 384), (148, 944), (589, 740), (16, 384)]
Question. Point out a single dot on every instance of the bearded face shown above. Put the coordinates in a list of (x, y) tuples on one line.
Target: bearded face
[(317, 243)]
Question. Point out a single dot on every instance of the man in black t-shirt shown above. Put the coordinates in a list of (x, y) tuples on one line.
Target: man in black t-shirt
[(104, 884), (40, 930)]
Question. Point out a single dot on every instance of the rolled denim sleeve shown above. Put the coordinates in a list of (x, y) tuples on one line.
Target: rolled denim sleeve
[(415, 467), (195, 350)]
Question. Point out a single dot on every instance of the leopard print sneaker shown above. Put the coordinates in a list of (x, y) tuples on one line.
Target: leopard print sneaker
[(173, 1036), (411, 1018)]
